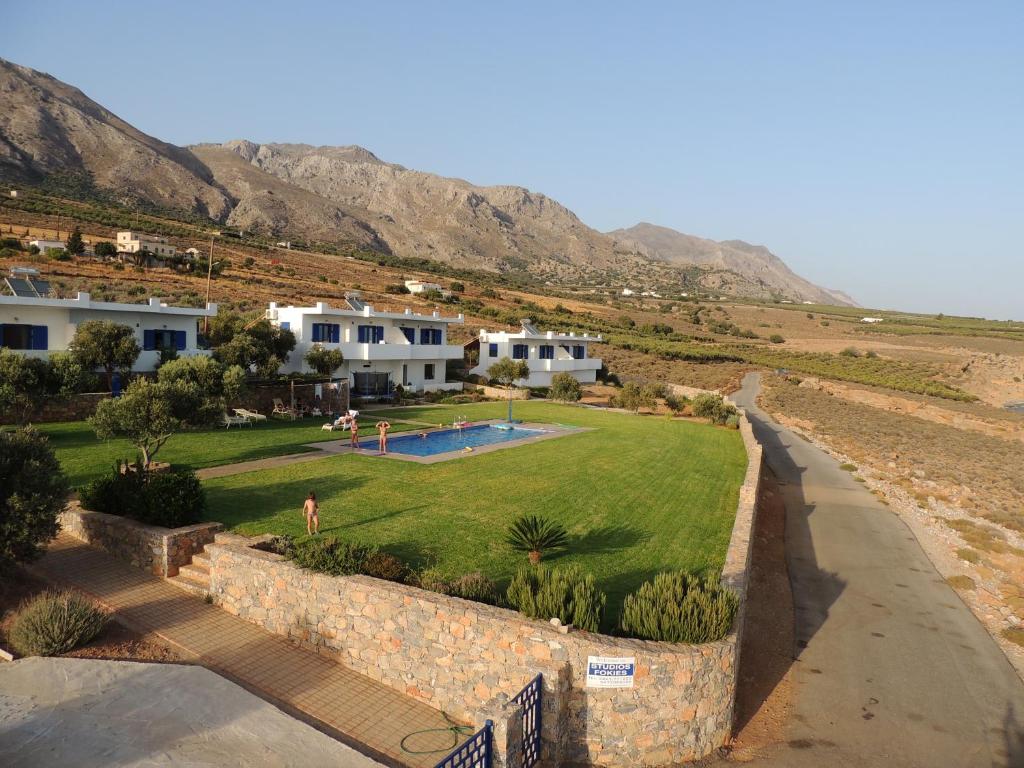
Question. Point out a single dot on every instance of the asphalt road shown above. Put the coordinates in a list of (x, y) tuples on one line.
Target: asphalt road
[(891, 668)]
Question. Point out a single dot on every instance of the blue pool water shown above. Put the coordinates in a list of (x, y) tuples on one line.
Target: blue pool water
[(447, 440)]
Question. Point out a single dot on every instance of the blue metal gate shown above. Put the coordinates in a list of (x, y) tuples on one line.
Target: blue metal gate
[(474, 752), (530, 698)]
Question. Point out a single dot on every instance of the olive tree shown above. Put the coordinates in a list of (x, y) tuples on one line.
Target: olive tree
[(324, 361), (33, 489), (107, 345), (507, 372), (565, 387), (633, 397), (26, 383)]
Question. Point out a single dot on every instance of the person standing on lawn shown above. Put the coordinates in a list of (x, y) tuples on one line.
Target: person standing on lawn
[(312, 511), (382, 430), (354, 431)]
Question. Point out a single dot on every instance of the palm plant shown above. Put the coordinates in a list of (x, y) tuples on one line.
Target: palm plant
[(534, 535)]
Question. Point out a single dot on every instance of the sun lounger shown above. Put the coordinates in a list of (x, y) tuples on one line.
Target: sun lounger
[(250, 415), (234, 421)]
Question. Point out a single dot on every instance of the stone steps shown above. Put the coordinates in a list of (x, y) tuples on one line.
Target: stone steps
[(194, 577)]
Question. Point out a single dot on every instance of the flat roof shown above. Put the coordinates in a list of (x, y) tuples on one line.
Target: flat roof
[(367, 311), (84, 301), (538, 335)]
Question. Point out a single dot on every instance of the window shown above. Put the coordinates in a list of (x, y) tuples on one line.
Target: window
[(520, 352), (492, 350), (578, 352), (428, 371), (329, 332), (546, 352), (410, 335), (430, 335), (286, 326), (154, 339), (15, 336), (371, 334)]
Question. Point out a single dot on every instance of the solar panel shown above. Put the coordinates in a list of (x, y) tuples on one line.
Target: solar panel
[(42, 287), (20, 287), (530, 328), (356, 304)]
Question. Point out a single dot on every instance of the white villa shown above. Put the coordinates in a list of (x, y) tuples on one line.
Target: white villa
[(38, 325), (133, 242), (48, 245), (381, 349), (546, 353), (418, 286)]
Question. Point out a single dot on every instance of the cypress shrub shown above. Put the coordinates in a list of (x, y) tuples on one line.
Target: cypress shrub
[(679, 608), (54, 623), (563, 593)]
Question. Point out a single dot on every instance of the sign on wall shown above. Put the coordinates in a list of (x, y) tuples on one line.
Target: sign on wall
[(610, 671)]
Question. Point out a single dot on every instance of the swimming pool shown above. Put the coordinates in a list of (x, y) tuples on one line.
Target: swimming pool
[(449, 440)]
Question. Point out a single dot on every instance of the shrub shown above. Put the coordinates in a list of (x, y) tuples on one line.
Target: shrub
[(32, 492), (679, 608), (167, 499), (565, 387), (534, 535), (732, 421), (850, 352), (675, 403), (474, 586), (432, 580), (331, 556), (396, 289), (562, 593), (279, 545), (712, 407), (633, 397), (458, 287), (382, 565), (55, 622), (776, 339)]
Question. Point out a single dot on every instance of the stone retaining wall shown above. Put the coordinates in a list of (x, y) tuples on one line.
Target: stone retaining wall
[(498, 393), (162, 551), (75, 408), (469, 659)]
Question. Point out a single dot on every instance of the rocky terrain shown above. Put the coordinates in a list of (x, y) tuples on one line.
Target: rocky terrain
[(347, 196), (761, 268)]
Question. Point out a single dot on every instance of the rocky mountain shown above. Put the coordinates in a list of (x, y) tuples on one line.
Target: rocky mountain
[(347, 195), (755, 263), (47, 127)]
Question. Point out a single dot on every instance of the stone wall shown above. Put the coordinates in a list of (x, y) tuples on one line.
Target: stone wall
[(161, 551), (469, 659), (498, 393), (75, 408)]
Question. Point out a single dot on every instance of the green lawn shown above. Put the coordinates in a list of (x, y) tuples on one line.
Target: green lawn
[(85, 457), (639, 494)]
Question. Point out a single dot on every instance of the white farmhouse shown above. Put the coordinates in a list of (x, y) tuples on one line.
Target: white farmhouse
[(381, 349), (418, 286), (48, 245), (38, 326), (872, 319), (546, 353), (133, 242)]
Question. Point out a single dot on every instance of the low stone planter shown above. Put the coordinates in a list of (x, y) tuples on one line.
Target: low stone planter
[(161, 551)]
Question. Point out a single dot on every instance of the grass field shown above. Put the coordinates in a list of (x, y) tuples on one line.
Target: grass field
[(85, 457), (637, 494)]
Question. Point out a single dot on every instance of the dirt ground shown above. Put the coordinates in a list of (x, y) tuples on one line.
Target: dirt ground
[(114, 642)]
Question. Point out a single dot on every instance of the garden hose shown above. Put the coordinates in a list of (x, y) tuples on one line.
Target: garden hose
[(457, 732)]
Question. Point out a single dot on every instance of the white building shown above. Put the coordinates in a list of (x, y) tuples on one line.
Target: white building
[(418, 286), (133, 242), (381, 349), (872, 319), (546, 353), (628, 291), (39, 326), (48, 245)]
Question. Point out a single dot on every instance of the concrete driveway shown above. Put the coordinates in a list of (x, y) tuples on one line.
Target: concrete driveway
[(85, 713), (891, 668)]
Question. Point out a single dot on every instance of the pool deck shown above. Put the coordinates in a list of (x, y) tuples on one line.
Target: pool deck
[(548, 432)]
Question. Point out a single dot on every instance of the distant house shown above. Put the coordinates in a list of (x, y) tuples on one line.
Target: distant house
[(545, 352), (38, 326), (133, 242), (808, 302), (48, 245), (381, 349), (419, 286), (872, 319), (628, 291), (14, 193)]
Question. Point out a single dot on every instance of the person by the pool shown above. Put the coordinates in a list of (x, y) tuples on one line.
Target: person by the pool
[(382, 430), (354, 430), (312, 511)]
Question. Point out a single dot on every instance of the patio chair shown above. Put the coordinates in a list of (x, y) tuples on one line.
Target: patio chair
[(251, 415), (234, 421), (282, 409)]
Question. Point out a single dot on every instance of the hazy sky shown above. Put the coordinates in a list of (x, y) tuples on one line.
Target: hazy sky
[(877, 147)]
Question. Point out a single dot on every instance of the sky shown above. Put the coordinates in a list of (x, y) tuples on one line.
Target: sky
[(876, 147)]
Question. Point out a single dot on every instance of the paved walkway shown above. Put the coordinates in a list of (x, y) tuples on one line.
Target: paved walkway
[(359, 711), (891, 668)]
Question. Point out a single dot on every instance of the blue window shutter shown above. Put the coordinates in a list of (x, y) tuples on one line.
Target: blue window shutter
[(316, 331), (410, 335), (424, 335), (335, 333), (1, 335), (149, 340), (362, 334), (40, 337), (179, 340), (492, 350)]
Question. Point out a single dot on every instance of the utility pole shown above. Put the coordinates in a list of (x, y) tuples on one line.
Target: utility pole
[(209, 277)]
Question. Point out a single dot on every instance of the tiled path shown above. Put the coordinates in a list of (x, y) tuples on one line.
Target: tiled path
[(369, 716)]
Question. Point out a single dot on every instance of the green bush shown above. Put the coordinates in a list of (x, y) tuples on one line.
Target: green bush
[(712, 407), (776, 339), (331, 556), (563, 593), (381, 565), (534, 535), (565, 387), (167, 499), (675, 403), (54, 623), (732, 421), (850, 352), (679, 608), (470, 586)]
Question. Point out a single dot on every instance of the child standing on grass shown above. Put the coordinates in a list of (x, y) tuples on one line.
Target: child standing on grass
[(312, 510)]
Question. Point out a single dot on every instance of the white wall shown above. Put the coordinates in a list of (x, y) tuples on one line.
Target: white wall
[(541, 370)]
